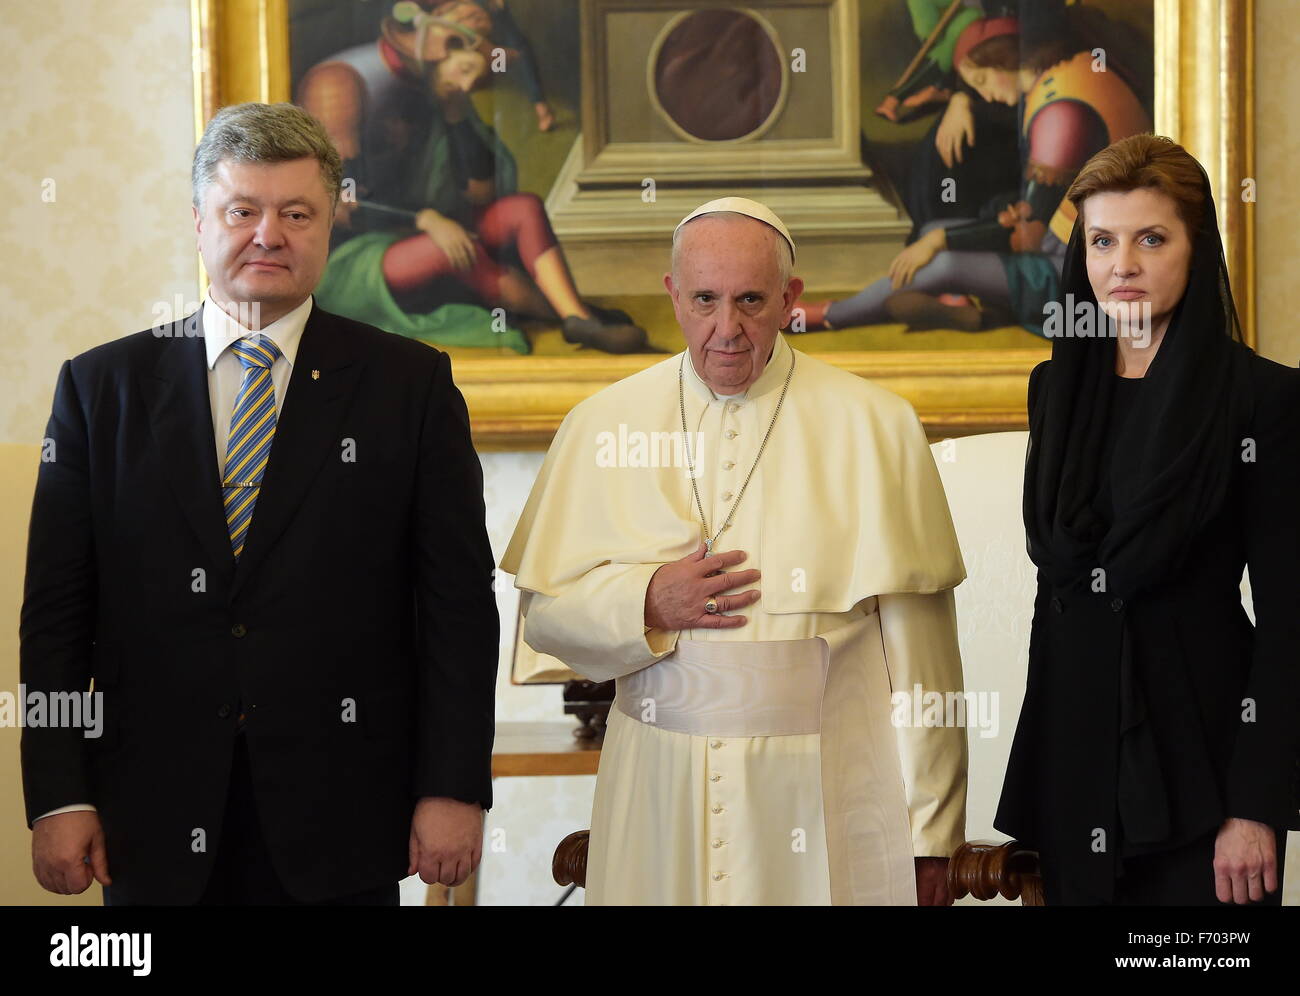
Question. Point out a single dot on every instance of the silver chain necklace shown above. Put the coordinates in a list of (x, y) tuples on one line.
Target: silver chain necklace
[(686, 438)]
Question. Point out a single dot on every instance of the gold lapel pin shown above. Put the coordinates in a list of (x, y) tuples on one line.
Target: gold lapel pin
[(315, 375)]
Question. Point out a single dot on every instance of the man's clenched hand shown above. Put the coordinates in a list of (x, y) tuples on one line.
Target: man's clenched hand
[(446, 840), (68, 852)]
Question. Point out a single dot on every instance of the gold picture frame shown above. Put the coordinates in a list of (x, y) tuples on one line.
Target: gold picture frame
[(1204, 99)]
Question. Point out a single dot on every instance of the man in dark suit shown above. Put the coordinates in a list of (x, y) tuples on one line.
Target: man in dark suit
[(260, 531)]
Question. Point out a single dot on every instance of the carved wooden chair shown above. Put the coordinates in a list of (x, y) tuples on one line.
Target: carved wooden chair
[(984, 870), (569, 866), (978, 868)]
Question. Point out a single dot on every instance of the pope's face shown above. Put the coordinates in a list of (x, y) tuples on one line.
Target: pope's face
[(728, 298), (264, 234)]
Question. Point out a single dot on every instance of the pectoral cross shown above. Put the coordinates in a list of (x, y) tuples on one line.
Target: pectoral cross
[(708, 552)]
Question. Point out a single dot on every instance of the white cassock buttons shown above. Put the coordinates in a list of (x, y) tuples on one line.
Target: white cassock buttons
[(730, 433), (716, 744), (728, 464)]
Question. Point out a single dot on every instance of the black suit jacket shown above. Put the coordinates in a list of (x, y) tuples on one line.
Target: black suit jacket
[(1198, 660), (358, 633)]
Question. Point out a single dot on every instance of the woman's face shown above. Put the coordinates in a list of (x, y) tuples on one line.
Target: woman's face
[(991, 84), (1139, 253)]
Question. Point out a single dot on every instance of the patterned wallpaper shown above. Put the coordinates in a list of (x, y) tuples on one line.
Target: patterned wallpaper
[(95, 219)]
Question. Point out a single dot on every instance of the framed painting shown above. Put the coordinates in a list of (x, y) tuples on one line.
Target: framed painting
[(514, 170)]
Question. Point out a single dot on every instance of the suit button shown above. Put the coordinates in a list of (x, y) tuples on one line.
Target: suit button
[(224, 711), (1117, 605), (239, 629), (1057, 607)]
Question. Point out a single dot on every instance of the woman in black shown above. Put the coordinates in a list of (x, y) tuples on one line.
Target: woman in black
[(1155, 761)]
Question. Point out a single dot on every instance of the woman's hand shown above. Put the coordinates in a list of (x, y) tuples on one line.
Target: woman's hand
[(915, 256), (958, 125), (1245, 861), (449, 236)]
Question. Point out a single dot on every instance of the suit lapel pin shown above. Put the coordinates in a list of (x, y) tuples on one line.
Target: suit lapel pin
[(315, 375)]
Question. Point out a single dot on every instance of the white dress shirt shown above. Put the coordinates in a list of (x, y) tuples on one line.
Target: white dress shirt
[(225, 373)]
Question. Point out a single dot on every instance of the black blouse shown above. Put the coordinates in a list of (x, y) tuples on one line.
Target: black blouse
[(1121, 403)]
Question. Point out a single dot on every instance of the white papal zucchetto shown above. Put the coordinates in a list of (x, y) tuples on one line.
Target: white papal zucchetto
[(742, 205)]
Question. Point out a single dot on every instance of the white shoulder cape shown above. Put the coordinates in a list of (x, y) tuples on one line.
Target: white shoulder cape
[(851, 496)]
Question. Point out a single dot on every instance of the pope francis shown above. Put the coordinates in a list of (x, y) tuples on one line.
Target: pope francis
[(753, 755)]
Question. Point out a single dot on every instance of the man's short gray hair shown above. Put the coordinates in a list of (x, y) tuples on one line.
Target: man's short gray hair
[(264, 133), (784, 254)]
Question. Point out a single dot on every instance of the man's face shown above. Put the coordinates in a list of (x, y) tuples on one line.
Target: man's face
[(264, 232), (728, 298), (462, 71)]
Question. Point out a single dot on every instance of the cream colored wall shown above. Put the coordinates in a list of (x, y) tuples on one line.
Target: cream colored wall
[(102, 106)]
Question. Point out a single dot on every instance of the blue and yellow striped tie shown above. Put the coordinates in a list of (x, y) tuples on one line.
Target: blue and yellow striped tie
[(252, 427)]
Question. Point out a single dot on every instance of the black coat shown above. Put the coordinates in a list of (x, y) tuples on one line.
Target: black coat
[(1197, 657), (358, 632)]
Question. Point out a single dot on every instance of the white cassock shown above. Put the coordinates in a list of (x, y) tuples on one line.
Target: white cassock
[(755, 765)]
